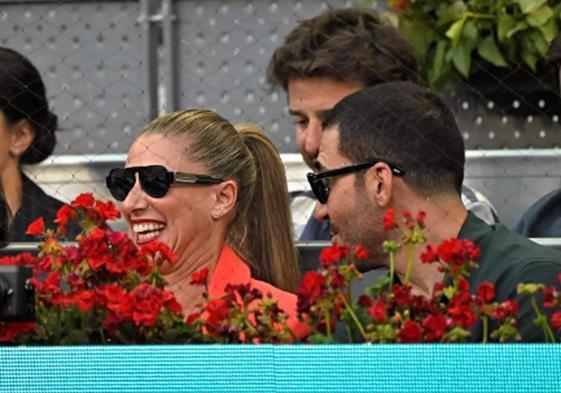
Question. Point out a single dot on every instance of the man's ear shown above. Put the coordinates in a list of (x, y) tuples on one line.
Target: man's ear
[(379, 184), (226, 198), (21, 137)]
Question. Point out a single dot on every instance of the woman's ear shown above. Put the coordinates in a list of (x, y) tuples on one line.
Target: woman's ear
[(379, 184), (21, 137), (226, 198)]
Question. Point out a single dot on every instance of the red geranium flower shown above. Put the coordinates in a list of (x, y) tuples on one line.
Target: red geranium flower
[(435, 326), (389, 220), (411, 332), (486, 291), (107, 210), (421, 216), (556, 320), (377, 311), (200, 277), (64, 214), (84, 201), (457, 252), (430, 254), (333, 254), (361, 253), (36, 228)]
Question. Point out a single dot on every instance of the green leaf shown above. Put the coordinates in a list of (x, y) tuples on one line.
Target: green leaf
[(530, 59), (455, 31), (448, 13), (539, 42), (528, 6), (505, 24), (540, 16), (519, 27), (418, 35), (489, 50), (461, 57), (549, 30), (470, 34), (436, 70)]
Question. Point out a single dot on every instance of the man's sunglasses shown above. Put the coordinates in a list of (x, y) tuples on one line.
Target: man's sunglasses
[(155, 180), (320, 183)]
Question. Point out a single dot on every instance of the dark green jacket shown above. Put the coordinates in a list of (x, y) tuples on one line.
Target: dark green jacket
[(507, 259)]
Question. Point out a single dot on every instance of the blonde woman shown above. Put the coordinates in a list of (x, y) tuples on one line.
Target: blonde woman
[(217, 195)]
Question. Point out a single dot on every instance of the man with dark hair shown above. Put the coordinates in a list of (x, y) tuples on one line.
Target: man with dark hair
[(543, 218), (325, 59), (397, 145)]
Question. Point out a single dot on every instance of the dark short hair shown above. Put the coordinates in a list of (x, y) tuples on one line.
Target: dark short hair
[(22, 96), (344, 44), (554, 53), (407, 125)]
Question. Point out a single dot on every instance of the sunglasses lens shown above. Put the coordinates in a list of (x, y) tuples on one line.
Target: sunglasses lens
[(154, 181), (120, 182), (320, 189)]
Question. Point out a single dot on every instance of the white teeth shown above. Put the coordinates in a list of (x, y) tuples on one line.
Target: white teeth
[(144, 237), (147, 227)]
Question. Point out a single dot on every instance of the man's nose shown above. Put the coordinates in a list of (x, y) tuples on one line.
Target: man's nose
[(313, 138)]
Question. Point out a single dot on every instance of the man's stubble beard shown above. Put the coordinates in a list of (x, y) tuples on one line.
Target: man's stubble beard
[(365, 229)]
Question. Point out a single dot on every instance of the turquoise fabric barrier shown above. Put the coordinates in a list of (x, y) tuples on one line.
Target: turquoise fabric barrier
[(283, 368)]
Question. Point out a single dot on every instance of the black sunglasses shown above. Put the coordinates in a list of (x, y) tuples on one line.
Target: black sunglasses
[(155, 180), (320, 184)]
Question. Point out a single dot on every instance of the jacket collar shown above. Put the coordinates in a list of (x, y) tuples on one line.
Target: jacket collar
[(230, 269)]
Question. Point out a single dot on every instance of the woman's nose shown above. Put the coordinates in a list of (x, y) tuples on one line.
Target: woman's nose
[(136, 198)]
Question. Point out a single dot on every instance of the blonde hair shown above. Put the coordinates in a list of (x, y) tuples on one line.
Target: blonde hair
[(262, 236)]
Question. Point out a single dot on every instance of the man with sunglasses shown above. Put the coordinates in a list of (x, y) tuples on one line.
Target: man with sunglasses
[(323, 60), (397, 145), (543, 218)]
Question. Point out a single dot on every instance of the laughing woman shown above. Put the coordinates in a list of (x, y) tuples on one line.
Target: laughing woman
[(218, 197)]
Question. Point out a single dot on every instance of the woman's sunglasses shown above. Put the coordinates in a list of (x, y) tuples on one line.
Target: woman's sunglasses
[(155, 180), (319, 182)]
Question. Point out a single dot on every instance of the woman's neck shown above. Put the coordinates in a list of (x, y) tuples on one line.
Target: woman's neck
[(12, 187), (204, 255)]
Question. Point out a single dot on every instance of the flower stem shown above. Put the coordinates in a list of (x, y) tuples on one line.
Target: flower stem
[(327, 323), (485, 321), (410, 251), (58, 323), (542, 321), (392, 268), (353, 316)]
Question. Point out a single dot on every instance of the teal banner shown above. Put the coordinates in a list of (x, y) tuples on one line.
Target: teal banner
[(283, 368)]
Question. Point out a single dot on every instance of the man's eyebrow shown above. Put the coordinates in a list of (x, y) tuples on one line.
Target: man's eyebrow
[(320, 113), (317, 166), (296, 112)]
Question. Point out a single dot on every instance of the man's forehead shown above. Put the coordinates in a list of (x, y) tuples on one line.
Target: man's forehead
[(329, 147)]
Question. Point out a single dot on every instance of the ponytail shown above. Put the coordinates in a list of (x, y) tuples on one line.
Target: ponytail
[(267, 221)]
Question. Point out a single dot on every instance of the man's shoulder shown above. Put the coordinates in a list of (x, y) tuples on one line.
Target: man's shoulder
[(479, 205), (543, 218), (508, 256)]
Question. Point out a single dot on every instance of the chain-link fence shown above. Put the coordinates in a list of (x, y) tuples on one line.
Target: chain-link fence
[(111, 66)]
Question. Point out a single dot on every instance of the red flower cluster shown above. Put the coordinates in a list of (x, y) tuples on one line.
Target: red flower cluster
[(242, 315), (551, 301), (391, 312), (99, 289)]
